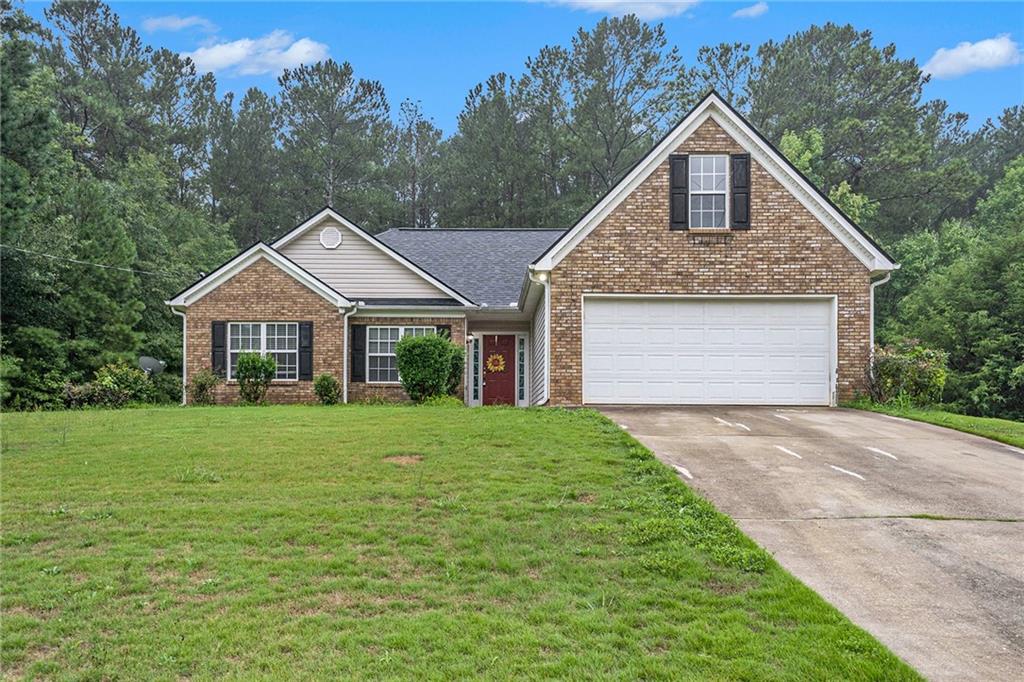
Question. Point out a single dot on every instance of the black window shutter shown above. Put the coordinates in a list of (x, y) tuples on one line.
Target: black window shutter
[(305, 351), (358, 339), (218, 348), (445, 330), (740, 187), (679, 179)]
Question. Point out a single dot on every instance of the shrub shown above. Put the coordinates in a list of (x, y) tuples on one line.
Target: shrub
[(907, 371), (166, 387), (254, 373), (442, 401), (42, 371), (458, 364), (115, 385), (200, 387), (327, 389), (10, 371), (426, 365)]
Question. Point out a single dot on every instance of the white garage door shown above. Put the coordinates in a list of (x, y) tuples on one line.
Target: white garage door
[(727, 351)]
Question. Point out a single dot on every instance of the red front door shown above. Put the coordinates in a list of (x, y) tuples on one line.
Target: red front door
[(499, 367)]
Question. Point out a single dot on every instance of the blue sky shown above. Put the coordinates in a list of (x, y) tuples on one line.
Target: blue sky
[(435, 52)]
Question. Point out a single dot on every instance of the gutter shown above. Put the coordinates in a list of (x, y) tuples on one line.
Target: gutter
[(184, 354)]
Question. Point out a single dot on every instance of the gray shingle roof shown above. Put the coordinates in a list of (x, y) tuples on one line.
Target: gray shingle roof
[(486, 265)]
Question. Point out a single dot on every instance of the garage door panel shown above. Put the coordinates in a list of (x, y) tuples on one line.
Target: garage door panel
[(692, 351)]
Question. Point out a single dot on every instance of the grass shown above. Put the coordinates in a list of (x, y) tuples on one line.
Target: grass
[(1002, 430), (384, 542)]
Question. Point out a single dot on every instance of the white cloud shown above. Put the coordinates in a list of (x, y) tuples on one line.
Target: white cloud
[(991, 53), (649, 9), (751, 12), (173, 22), (271, 53)]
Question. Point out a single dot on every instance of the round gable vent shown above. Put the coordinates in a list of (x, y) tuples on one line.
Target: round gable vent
[(330, 238)]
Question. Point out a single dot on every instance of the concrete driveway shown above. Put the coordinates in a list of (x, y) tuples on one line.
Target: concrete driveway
[(838, 497)]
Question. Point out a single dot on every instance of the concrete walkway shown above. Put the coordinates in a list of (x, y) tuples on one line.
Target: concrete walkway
[(839, 497)]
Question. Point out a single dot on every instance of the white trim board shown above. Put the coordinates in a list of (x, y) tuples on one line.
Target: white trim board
[(384, 248), (245, 259), (715, 108)]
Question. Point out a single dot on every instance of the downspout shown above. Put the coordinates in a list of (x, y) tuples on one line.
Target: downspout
[(184, 354), (344, 351), (871, 335)]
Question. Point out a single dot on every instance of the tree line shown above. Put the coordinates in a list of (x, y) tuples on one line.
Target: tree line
[(120, 154)]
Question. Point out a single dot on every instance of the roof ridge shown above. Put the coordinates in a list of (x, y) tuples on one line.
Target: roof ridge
[(476, 229)]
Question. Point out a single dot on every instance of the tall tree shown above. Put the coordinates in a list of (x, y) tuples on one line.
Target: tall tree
[(725, 68), (618, 76), (245, 169), (102, 68), (416, 166), (333, 131), (877, 134), (490, 180)]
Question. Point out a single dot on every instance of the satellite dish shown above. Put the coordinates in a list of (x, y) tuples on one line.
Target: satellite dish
[(151, 366)]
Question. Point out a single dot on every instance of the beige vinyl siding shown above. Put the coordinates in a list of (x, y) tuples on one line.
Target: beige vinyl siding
[(357, 267), (538, 353)]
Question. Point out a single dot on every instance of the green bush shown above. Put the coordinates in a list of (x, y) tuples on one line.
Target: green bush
[(200, 387), (442, 401), (10, 372), (426, 365), (115, 385), (42, 372), (908, 372), (327, 389), (254, 374), (166, 388)]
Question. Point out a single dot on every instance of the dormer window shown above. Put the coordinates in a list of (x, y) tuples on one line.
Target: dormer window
[(709, 191), (708, 186)]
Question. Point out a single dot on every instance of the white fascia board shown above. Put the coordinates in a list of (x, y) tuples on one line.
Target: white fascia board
[(713, 108), (370, 239), (244, 260)]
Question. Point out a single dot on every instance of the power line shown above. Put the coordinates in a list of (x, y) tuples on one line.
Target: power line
[(158, 273)]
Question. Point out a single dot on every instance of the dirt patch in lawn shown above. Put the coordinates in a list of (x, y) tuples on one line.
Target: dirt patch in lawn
[(404, 459)]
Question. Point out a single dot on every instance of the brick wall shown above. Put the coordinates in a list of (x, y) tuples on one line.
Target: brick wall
[(262, 292), (786, 251), (358, 391)]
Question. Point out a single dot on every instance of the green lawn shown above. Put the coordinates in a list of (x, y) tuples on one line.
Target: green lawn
[(1002, 430), (368, 542)]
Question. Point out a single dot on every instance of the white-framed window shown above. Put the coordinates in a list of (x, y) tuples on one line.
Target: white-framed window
[(709, 183), (381, 362), (278, 339)]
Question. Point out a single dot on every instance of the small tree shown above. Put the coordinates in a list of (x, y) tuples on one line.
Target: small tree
[(254, 373), (426, 365)]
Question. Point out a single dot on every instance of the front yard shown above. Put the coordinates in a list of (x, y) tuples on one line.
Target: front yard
[(367, 542), (1002, 430)]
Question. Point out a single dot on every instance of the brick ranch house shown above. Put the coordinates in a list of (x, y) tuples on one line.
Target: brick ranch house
[(713, 273)]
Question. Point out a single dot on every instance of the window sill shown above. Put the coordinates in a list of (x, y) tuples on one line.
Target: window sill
[(273, 382)]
